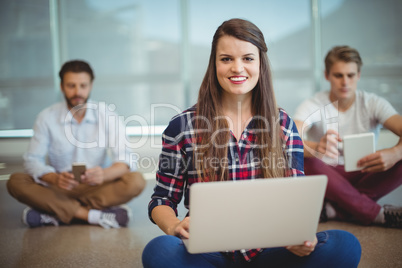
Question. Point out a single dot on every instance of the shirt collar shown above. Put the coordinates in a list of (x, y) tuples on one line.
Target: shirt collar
[(90, 114), (249, 131)]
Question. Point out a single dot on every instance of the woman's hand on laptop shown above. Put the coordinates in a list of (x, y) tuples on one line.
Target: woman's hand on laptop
[(303, 250), (182, 228), (165, 217)]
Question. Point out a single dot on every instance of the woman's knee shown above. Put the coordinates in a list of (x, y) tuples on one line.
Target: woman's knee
[(341, 246), (160, 250)]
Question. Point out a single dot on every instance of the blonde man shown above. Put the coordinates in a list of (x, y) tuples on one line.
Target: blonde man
[(324, 119)]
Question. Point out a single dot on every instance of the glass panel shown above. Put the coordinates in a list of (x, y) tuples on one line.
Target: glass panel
[(134, 49), (374, 30), (26, 83)]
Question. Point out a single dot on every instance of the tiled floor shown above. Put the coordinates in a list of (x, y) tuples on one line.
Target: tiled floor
[(75, 245), (92, 246)]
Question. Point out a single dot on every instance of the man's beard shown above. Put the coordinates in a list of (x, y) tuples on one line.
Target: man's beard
[(71, 105)]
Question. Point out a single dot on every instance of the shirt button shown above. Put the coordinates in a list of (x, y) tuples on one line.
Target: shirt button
[(237, 159), (244, 135)]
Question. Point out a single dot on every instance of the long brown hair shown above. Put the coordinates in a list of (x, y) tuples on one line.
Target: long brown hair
[(209, 115)]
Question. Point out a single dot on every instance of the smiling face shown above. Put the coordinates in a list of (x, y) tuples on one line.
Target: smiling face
[(343, 77), (76, 88), (237, 65)]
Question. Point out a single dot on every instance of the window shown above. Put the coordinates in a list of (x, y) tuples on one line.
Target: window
[(149, 57), (374, 30), (26, 83)]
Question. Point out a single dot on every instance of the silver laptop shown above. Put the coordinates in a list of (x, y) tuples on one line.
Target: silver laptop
[(254, 213)]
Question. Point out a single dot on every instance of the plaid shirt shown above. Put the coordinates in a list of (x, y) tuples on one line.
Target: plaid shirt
[(176, 170)]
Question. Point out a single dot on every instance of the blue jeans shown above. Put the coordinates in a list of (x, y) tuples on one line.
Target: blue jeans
[(335, 248)]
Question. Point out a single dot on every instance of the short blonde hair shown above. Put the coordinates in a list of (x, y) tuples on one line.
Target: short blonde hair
[(342, 53)]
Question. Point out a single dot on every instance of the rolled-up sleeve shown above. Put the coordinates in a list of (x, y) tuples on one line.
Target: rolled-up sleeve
[(171, 176)]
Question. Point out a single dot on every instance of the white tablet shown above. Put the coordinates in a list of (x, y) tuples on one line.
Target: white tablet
[(355, 147)]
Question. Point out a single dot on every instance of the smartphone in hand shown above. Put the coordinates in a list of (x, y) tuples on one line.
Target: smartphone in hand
[(78, 170)]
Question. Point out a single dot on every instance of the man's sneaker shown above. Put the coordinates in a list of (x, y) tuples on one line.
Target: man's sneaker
[(393, 216), (115, 217), (33, 218)]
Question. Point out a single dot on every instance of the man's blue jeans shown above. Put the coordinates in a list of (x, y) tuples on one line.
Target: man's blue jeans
[(335, 248)]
